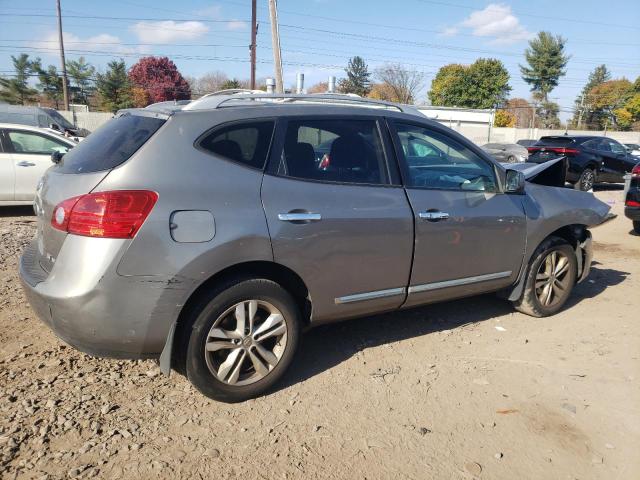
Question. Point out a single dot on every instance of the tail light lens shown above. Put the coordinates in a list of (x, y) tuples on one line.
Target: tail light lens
[(632, 203), (559, 150), (116, 214), (636, 171)]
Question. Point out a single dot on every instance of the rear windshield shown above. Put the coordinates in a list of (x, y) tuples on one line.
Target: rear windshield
[(111, 144), (555, 141)]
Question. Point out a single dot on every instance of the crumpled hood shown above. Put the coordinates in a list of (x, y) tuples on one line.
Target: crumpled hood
[(532, 170)]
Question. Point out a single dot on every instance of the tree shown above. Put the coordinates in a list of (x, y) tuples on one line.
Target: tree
[(114, 87), (610, 98), (504, 119), (403, 84), (381, 91), (16, 90), (81, 76), (521, 110), (320, 87), (160, 78), (546, 63), (50, 84), (547, 114), (585, 114), (357, 80), (483, 84), (208, 83), (231, 84)]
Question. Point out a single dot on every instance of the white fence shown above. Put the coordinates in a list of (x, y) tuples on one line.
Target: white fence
[(481, 134), (88, 120)]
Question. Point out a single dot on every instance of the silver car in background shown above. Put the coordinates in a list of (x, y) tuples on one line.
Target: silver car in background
[(209, 236), (507, 152)]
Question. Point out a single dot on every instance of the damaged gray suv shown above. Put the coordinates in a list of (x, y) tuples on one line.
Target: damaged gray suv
[(210, 235)]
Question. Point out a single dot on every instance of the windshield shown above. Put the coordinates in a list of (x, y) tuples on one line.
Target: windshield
[(60, 120)]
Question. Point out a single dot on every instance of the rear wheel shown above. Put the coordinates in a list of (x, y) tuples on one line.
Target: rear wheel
[(636, 226), (511, 159), (242, 341), (550, 278), (586, 180)]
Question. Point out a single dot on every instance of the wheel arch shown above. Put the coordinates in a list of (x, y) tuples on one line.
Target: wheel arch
[(575, 234), (276, 272)]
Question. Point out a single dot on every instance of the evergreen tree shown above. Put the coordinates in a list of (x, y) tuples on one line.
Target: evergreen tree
[(81, 75), (357, 80), (16, 90), (546, 63), (51, 84), (114, 88)]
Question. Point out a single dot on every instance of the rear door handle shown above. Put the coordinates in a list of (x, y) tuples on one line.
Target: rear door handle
[(433, 216), (299, 217), (24, 163)]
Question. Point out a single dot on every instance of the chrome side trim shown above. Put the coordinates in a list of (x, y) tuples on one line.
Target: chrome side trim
[(359, 297), (457, 282)]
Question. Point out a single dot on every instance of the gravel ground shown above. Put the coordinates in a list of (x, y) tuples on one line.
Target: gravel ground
[(466, 389)]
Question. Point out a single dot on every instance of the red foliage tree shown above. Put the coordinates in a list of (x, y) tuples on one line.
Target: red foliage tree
[(160, 79)]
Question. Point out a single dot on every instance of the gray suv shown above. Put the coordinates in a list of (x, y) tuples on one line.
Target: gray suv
[(209, 235)]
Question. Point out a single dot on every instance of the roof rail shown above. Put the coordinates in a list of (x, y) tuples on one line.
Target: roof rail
[(219, 99)]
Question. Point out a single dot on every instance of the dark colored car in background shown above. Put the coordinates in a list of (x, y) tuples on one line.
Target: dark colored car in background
[(632, 202), (591, 159)]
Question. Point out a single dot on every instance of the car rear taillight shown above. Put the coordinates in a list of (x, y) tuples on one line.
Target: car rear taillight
[(116, 214), (632, 203), (559, 150), (636, 171)]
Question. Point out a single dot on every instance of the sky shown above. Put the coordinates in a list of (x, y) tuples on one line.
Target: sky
[(319, 36)]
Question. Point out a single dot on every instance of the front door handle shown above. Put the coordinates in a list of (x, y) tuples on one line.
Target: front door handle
[(299, 217), (24, 163), (433, 216)]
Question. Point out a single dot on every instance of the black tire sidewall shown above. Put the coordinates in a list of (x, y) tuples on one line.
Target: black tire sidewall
[(636, 226), (530, 290), (196, 367), (585, 171)]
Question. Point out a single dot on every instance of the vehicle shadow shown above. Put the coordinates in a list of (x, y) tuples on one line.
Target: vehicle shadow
[(326, 346), (17, 211), (604, 187)]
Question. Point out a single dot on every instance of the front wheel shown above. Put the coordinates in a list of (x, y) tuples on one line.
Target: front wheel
[(242, 340), (550, 279), (586, 180)]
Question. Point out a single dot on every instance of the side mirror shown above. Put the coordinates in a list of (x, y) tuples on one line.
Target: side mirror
[(56, 157), (514, 182)]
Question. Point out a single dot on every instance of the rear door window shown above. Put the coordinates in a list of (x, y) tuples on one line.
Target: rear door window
[(245, 143), (111, 144), (334, 150)]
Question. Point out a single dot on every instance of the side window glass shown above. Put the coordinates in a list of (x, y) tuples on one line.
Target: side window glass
[(616, 147), (434, 160), (345, 151), (246, 143), (33, 143)]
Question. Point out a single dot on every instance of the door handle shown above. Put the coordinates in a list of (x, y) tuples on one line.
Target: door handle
[(433, 216), (24, 163), (299, 217)]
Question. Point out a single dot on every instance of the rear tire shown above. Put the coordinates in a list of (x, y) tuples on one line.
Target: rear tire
[(511, 159), (551, 277), (243, 339), (636, 226), (587, 180)]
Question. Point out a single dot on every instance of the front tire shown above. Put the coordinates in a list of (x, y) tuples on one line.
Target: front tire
[(636, 226), (586, 181), (550, 278), (243, 340)]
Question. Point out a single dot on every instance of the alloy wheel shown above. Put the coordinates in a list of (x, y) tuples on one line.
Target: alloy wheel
[(588, 177), (246, 342), (552, 278)]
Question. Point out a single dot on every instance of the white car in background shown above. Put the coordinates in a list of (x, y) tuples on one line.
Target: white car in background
[(633, 149), (25, 154)]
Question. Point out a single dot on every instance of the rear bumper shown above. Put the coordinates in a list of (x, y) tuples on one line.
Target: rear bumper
[(92, 308)]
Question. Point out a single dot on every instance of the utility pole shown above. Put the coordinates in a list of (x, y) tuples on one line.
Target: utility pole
[(65, 91), (581, 110), (254, 32), (275, 43)]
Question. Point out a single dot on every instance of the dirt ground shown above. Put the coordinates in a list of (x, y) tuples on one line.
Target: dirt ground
[(466, 389)]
